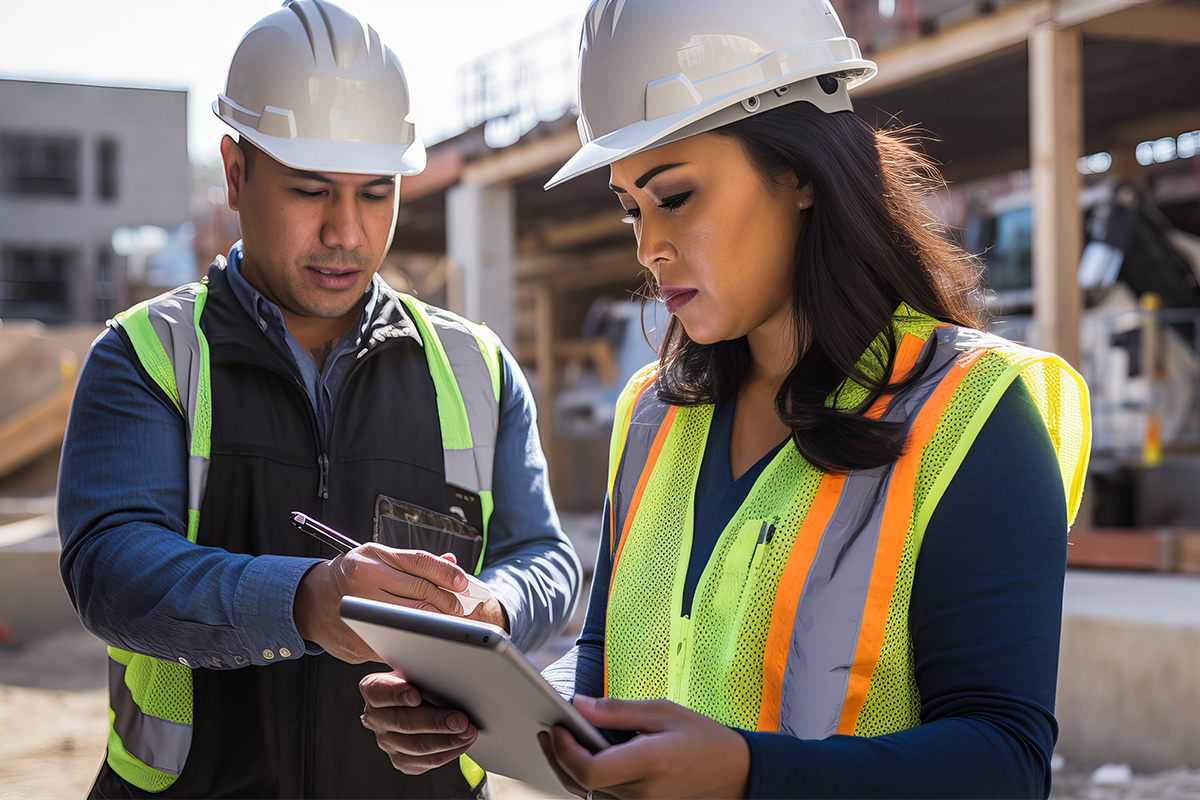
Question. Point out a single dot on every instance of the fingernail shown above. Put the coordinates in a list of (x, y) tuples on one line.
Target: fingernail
[(456, 722)]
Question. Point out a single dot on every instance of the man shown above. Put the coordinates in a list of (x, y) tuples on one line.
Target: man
[(293, 379)]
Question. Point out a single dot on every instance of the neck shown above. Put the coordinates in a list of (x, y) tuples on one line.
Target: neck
[(773, 353)]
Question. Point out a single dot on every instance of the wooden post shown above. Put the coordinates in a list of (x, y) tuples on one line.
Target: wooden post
[(1056, 135), (543, 343)]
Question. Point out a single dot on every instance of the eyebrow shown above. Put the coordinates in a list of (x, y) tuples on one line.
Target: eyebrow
[(642, 181), (301, 174)]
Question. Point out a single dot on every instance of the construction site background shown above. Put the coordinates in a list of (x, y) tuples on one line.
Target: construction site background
[(1043, 110)]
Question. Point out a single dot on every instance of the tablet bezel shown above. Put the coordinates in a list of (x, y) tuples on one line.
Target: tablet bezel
[(472, 666)]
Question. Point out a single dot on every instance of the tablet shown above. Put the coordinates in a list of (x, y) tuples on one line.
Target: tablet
[(474, 667)]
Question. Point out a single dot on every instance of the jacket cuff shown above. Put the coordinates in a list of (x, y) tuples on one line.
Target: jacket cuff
[(263, 607)]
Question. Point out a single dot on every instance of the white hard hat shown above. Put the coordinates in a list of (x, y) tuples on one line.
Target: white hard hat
[(316, 91), (656, 71)]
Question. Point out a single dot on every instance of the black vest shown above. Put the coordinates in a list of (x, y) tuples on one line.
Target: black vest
[(293, 729)]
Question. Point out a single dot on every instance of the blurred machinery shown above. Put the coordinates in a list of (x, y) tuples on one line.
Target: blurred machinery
[(1140, 342)]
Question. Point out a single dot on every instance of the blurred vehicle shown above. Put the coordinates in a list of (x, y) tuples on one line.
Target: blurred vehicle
[(1139, 341), (620, 337)]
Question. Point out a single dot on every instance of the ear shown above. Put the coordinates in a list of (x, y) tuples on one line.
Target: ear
[(234, 162), (804, 196)]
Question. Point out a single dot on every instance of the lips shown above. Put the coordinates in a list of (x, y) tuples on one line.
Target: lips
[(333, 277), (676, 297)]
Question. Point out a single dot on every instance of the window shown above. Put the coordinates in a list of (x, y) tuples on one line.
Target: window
[(106, 169), (35, 284), (39, 165), (106, 292)]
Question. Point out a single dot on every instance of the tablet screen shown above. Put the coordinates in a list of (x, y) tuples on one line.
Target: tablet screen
[(475, 668)]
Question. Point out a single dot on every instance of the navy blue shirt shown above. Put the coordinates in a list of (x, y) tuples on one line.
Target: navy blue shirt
[(985, 617), (138, 583)]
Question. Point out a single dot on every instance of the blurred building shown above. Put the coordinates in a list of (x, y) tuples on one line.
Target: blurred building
[(77, 163)]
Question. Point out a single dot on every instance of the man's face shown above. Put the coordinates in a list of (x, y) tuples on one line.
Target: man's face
[(311, 241)]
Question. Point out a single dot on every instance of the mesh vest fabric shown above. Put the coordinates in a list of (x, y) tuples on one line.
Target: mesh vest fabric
[(733, 660), (151, 699)]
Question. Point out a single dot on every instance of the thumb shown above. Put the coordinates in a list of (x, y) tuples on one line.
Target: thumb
[(645, 716)]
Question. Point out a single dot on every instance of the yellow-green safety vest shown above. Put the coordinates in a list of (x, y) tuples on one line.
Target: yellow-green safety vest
[(150, 699), (799, 622)]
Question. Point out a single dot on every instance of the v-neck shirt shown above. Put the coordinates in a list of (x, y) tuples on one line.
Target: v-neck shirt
[(718, 495)]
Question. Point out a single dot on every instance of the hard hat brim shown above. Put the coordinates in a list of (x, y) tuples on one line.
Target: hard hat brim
[(714, 113), (318, 155)]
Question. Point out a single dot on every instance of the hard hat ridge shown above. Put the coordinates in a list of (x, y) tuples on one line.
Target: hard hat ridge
[(655, 71), (316, 89)]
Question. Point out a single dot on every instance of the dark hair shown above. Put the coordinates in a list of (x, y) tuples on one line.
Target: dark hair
[(868, 243)]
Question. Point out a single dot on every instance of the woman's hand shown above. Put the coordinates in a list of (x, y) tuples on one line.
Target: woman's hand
[(416, 736), (677, 753)]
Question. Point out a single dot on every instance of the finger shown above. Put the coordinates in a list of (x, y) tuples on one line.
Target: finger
[(418, 721), (425, 565), (646, 716), (623, 766), (413, 755), (547, 745), (388, 689)]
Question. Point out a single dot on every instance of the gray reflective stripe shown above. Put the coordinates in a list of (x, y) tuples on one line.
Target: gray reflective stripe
[(157, 743), (172, 318), (197, 480), (828, 617), (644, 424), (474, 379)]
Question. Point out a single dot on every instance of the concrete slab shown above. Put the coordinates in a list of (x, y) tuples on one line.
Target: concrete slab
[(1128, 686)]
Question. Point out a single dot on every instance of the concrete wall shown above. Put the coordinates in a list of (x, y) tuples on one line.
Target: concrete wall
[(1129, 671), (150, 127)]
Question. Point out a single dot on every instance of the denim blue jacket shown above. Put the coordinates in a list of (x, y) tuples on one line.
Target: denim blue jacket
[(139, 584)]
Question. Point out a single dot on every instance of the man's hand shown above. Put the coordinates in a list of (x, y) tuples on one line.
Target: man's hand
[(416, 736), (413, 578), (677, 753)]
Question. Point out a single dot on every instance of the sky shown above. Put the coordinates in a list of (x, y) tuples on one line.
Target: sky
[(173, 44)]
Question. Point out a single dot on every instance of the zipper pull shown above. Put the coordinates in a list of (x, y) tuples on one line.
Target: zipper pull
[(323, 487)]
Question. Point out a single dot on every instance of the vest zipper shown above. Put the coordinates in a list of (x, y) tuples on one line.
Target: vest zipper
[(681, 656), (323, 487)]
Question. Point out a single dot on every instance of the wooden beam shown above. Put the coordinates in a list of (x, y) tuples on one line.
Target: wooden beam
[(522, 160), (1163, 24), (441, 171), (567, 234), (1056, 139), (1172, 123), (952, 48), (1069, 13), (34, 431)]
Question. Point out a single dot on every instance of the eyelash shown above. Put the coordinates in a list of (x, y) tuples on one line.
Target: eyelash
[(366, 195), (672, 203)]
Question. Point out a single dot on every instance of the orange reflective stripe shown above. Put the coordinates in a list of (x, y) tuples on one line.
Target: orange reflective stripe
[(907, 353), (897, 513), (787, 597)]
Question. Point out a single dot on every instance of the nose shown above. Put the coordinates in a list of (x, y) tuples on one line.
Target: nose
[(654, 245), (343, 225)]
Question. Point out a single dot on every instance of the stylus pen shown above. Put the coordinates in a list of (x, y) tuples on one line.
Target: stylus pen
[(339, 541)]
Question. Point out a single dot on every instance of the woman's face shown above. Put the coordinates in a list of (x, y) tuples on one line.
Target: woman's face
[(718, 237)]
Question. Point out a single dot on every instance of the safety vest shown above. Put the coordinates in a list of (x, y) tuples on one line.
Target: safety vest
[(799, 622), (150, 699)]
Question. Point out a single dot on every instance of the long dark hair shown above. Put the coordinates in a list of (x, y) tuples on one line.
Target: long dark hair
[(868, 243)]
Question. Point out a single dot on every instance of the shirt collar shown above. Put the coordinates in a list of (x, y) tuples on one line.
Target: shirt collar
[(267, 316)]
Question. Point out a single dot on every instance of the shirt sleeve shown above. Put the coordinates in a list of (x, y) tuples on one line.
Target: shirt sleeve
[(130, 571), (985, 618), (529, 563)]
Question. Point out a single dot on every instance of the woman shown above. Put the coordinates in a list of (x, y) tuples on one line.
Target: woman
[(836, 523)]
